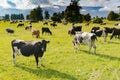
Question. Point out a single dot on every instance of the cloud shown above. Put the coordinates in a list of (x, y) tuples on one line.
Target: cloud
[(30, 4), (12, 4)]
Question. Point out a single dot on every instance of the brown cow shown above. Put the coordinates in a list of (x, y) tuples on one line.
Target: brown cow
[(35, 32)]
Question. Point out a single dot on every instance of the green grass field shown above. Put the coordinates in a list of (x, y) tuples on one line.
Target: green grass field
[(60, 60)]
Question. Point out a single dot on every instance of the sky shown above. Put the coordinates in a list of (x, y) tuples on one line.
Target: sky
[(107, 5)]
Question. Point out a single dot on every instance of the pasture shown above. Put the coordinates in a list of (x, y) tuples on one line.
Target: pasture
[(60, 60)]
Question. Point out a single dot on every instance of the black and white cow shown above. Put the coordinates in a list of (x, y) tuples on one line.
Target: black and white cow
[(85, 38), (28, 27), (74, 29), (100, 33), (28, 48)]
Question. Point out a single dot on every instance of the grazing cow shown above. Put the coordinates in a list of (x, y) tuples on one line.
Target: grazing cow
[(35, 32), (20, 24), (109, 30), (74, 29), (28, 27), (53, 24), (9, 30), (100, 33), (47, 30), (85, 38), (45, 23), (94, 29), (28, 48), (116, 32)]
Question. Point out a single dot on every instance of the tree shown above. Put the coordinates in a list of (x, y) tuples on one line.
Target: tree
[(112, 16), (72, 12), (36, 14), (17, 16), (87, 17), (47, 15), (97, 20), (7, 17), (56, 17)]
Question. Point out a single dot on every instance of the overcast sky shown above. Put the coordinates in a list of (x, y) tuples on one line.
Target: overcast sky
[(28, 4)]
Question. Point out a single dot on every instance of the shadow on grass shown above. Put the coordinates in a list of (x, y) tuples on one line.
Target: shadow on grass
[(102, 55), (47, 73), (112, 42)]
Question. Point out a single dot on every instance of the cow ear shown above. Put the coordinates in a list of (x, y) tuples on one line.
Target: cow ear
[(39, 42), (47, 41)]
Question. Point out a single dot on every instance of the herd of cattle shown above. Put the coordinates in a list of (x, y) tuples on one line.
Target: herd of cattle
[(38, 48)]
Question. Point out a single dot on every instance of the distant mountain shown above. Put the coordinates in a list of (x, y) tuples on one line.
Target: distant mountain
[(94, 11)]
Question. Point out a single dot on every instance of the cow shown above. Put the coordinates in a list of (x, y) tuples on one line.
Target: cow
[(94, 29), (46, 30), (53, 24), (35, 32), (9, 30), (28, 48), (74, 29), (45, 23), (20, 24), (85, 38), (28, 27), (109, 30), (100, 33), (116, 32)]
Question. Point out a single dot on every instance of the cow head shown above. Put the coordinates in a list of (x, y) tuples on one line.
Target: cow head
[(44, 45)]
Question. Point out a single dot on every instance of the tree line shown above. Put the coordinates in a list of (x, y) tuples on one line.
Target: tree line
[(71, 14)]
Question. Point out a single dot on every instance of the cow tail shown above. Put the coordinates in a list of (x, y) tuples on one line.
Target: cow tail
[(93, 38)]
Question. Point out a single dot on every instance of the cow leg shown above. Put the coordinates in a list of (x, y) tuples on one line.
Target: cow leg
[(14, 58), (41, 62), (36, 58), (94, 46), (75, 46), (89, 49)]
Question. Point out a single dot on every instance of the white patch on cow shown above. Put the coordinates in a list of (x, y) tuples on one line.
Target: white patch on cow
[(86, 40), (17, 51), (18, 41)]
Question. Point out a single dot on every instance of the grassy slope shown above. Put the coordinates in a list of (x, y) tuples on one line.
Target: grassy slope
[(60, 60)]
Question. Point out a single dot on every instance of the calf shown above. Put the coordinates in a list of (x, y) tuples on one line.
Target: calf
[(46, 30), (85, 38), (28, 48), (9, 30), (74, 29), (35, 32)]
